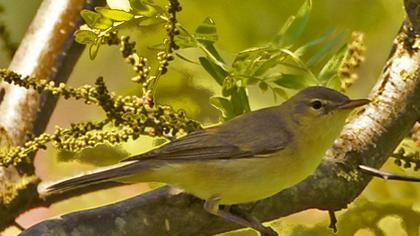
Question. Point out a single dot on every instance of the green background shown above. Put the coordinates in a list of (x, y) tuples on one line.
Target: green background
[(240, 24)]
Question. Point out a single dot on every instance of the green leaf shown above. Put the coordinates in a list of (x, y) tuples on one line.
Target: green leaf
[(218, 73), (114, 14), (223, 105), (93, 49), (330, 69), (240, 101), (141, 8), (244, 99), (315, 59), (95, 20), (85, 36), (294, 26), (90, 17), (206, 32), (103, 24), (292, 81), (206, 35), (213, 51)]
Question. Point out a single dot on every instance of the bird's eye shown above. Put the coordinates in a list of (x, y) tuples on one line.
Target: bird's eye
[(316, 104)]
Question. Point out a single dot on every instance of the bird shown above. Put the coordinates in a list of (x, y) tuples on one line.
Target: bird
[(243, 160)]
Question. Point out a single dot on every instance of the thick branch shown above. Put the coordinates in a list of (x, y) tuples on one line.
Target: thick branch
[(47, 51), (367, 139)]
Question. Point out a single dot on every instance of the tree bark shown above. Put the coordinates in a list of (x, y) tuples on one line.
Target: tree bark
[(369, 138), (46, 52)]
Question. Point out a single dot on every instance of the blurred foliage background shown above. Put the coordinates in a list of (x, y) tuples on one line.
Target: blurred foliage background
[(384, 208)]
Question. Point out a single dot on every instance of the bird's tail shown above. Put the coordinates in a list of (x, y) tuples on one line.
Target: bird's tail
[(103, 175)]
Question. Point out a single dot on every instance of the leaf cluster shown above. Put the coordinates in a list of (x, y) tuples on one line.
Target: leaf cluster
[(283, 65), (103, 20), (126, 117)]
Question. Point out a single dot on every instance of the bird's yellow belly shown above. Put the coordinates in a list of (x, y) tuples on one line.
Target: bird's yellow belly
[(238, 180)]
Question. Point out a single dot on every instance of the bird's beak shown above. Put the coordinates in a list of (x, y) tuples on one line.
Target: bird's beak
[(350, 104)]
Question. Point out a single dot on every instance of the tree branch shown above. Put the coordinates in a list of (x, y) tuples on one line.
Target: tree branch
[(368, 139), (46, 52), (387, 175)]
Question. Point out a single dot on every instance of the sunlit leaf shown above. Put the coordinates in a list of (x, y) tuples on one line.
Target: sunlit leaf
[(85, 36), (119, 4), (218, 73), (141, 8), (294, 26), (114, 14), (103, 24)]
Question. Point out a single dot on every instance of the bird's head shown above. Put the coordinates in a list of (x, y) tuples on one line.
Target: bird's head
[(320, 110)]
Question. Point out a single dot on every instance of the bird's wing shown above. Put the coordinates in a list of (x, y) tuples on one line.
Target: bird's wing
[(249, 135)]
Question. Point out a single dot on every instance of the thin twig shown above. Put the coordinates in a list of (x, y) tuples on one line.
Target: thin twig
[(387, 175)]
